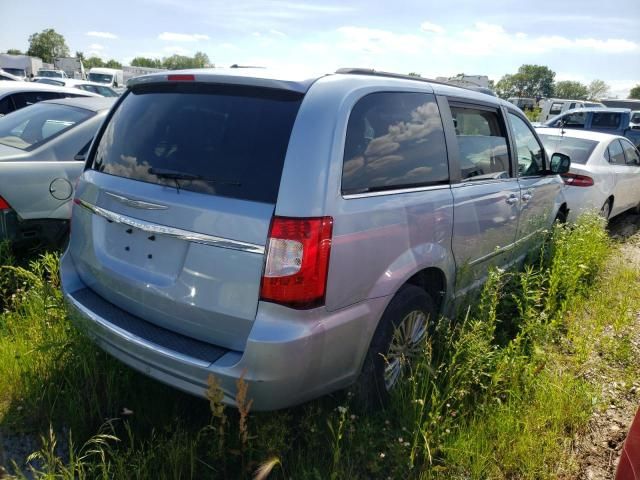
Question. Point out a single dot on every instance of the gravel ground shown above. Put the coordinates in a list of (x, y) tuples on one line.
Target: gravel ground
[(16, 447)]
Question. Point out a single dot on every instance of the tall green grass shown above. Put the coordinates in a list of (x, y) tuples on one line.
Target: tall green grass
[(496, 393)]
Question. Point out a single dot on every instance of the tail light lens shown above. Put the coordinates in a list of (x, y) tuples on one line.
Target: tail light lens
[(295, 272), (576, 180), (4, 205)]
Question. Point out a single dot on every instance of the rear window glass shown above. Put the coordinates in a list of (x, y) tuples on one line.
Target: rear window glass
[(394, 140), (33, 126), (606, 119), (578, 149), (219, 140)]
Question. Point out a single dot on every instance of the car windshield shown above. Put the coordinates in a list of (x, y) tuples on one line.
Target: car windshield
[(49, 73), (578, 149), (33, 126), (100, 77), (227, 141)]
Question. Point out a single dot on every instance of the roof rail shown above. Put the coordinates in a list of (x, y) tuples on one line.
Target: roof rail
[(379, 73)]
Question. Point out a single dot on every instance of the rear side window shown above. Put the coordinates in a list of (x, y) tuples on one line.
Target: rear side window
[(616, 154), (631, 153), (24, 99), (482, 142), (219, 140), (394, 140), (605, 120)]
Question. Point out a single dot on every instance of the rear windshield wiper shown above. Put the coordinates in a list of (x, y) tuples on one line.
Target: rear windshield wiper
[(175, 175)]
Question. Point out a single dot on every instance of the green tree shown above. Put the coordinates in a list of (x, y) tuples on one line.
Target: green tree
[(535, 81), (598, 89), (113, 64), (47, 45), (80, 56), (93, 62), (635, 92), (178, 62), (146, 62), (14, 51), (572, 90), (511, 86)]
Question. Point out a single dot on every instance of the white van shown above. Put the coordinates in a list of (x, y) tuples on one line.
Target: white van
[(112, 77), (555, 106)]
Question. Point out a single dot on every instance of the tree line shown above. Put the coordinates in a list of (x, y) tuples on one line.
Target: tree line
[(50, 44), (538, 81)]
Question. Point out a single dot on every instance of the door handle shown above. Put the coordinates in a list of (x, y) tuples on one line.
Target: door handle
[(512, 199)]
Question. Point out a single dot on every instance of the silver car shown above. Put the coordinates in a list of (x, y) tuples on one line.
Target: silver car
[(235, 223), (42, 150)]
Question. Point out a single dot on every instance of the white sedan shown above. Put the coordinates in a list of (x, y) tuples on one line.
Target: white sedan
[(604, 174)]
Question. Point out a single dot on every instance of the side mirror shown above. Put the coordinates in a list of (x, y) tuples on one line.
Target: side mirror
[(80, 157), (560, 163)]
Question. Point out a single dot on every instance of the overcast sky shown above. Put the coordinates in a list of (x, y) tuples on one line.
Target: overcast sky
[(578, 39)]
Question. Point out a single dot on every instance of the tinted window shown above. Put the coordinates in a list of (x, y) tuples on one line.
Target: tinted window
[(578, 149), (616, 154), (530, 153), (482, 143), (394, 140), (605, 119), (573, 120), (5, 105), (635, 118), (231, 140), (33, 126), (24, 99), (630, 153)]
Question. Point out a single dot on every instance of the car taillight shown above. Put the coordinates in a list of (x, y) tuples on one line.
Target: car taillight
[(4, 205), (576, 180), (295, 271)]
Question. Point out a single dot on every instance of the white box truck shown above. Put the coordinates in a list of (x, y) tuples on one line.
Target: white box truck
[(22, 66), (71, 66), (112, 77)]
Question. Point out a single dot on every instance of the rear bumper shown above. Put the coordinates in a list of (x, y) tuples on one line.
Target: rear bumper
[(290, 356)]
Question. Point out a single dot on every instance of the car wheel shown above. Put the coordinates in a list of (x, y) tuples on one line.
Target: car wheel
[(605, 211), (398, 340)]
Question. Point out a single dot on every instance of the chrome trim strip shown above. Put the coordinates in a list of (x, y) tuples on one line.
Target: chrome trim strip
[(381, 193), (171, 231), (131, 338), (500, 250), (137, 203)]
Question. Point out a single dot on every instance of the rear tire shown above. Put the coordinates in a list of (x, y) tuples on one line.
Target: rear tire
[(398, 338)]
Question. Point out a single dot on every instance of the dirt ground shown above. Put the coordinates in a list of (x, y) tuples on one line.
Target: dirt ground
[(597, 450)]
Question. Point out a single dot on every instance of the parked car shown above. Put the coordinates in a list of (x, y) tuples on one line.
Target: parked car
[(614, 121), (235, 222), (552, 107), (604, 174), (629, 464), (17, 95), (42, 149), (93, 87)]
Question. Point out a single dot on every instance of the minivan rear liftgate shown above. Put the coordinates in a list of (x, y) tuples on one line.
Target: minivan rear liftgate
[(177, 202)]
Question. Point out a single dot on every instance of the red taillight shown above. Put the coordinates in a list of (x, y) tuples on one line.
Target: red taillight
[(4, 205), (576, 180), (295, 272), (181, 77)]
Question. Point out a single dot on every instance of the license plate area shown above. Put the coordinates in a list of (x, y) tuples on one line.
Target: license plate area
[(155, 253)]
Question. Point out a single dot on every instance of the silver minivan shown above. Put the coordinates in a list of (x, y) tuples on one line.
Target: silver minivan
[(301, 233)]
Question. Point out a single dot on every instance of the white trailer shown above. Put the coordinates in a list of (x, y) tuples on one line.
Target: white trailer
[(71, 66), (22, 66)]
